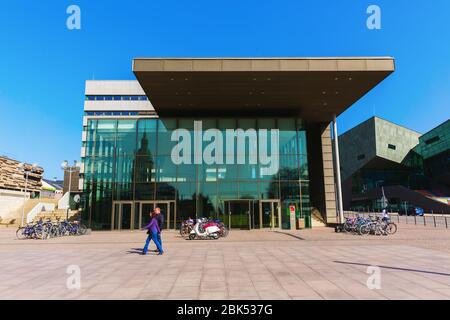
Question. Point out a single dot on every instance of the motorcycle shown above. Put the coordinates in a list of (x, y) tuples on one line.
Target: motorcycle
[(204, 230)]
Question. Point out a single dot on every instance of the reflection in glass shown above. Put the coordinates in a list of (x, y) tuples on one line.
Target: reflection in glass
[(130, 160)]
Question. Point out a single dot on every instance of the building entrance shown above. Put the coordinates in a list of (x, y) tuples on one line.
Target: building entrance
[(122, 215), (135, 215), (252, 214)]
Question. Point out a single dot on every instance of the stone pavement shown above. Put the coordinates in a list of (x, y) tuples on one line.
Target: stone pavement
[(310, 264)]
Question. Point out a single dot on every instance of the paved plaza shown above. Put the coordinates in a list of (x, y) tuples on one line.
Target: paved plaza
[(309, 264)]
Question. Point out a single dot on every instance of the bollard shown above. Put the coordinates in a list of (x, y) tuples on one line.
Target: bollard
[(406, 218), (446, 226), (424, 220), (415, 220), (434, 219)]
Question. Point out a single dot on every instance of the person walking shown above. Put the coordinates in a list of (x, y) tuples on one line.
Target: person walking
[(153, 230), (160, 219)]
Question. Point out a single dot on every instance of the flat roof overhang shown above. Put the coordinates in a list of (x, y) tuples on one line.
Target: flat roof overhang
[(311, 88)]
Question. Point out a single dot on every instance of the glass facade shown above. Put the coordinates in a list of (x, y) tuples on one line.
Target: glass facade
[(129, 165)]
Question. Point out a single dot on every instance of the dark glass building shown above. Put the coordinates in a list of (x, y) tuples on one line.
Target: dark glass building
[(410, 168), (244, 140)]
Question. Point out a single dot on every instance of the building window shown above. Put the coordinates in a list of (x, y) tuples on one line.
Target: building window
[(361, 156), (116, 98), (391, 146), (432, 140)]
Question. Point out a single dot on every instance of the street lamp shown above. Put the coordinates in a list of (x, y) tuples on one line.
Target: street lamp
[(21, 168), (70, 169)]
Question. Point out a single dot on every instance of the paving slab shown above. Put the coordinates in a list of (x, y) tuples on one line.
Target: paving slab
[(305, 264)]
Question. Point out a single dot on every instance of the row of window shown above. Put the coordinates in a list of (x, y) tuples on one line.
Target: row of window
[(111, 113), (162, 169), (116, 98), (211, 192), (106, 137)]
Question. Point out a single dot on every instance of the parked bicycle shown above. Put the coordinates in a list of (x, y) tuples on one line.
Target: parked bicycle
[(50, 229), (371, 225)]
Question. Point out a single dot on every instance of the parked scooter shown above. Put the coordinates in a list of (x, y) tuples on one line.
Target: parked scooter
[(203, 230)]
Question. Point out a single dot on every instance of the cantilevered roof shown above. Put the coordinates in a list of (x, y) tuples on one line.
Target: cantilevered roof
[(313, 88)]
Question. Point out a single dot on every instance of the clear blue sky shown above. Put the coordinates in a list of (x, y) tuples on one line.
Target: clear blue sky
[(43, 65)]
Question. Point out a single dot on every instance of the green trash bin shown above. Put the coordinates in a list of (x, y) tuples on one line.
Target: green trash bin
[(308, 222)]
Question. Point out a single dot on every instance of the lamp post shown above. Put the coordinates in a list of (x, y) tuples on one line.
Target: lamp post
[(21, 168), (70, 169)]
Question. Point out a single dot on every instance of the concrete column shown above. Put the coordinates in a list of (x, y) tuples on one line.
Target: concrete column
[(337, 167)]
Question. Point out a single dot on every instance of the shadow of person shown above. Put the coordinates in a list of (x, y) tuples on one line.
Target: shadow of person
[(135, 251)]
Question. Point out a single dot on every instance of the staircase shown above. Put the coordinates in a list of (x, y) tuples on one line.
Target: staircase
[(61, 214), (317, 219), (58, 214)]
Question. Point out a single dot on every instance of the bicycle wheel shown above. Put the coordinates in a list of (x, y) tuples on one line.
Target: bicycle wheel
[(55, 232), (347, 227), (41, 234), (364, 229), (183, 231), (378, 231), (225, 232), (82, 229), (391, 228), (20, 234)]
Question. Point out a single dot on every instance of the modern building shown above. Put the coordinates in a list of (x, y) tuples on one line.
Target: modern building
[(52, 189), (244, 140), (71, 177), (412, 169), (434, 147)]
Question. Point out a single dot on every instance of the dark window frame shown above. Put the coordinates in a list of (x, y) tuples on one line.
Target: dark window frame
[(432, 140)]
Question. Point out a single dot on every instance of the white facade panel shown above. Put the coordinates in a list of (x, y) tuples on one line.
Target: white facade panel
[(113, 87)]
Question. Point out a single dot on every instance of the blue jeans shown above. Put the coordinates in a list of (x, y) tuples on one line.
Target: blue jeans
[(152, 236), (159, 238)]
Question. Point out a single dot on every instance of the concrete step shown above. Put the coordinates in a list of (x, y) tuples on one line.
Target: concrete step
[(55, 215), (317, 223)]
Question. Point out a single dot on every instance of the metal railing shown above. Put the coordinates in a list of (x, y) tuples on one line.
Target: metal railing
[(428, 219)]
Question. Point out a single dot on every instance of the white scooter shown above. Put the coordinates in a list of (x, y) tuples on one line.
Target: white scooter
[(211, 232)]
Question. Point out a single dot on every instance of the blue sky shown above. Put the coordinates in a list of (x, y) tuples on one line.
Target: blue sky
[(43, 65)]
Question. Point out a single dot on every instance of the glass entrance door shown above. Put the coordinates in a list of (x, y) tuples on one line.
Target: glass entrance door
[(167, 209), (238, 214), (122, 216), (144, 213), (270, 214)]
